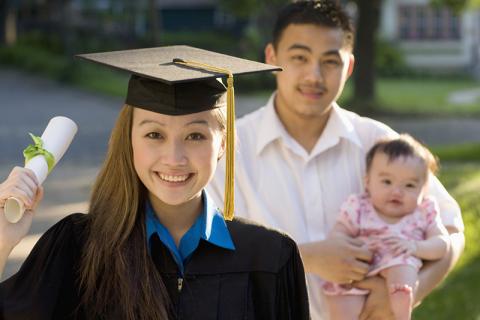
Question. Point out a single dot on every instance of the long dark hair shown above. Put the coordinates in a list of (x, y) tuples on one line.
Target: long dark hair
[(117, 276)]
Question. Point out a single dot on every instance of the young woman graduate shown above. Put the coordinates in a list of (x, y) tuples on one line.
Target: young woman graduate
[(153, 244)]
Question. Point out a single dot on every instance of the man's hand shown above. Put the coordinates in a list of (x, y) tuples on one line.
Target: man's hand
[(377, 304), (339, 258)]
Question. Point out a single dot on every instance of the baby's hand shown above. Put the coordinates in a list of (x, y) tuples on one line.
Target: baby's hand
[(400, 246)]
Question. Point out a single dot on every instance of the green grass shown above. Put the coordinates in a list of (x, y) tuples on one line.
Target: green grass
[(420, 96), (429, 96), (457, 297)]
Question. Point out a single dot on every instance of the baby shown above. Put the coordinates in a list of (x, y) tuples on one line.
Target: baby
[(396, 220)]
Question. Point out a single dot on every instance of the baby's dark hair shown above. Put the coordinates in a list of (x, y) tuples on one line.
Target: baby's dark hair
[(325, 13), (403, 146)]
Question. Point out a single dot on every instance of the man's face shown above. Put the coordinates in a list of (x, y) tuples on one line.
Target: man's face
[(315, 67)]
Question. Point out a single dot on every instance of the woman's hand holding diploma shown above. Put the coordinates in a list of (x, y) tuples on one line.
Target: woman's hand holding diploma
[(23, 185), (40, 158)]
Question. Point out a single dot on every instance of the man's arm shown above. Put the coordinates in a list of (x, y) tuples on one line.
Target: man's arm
[(433, 272)]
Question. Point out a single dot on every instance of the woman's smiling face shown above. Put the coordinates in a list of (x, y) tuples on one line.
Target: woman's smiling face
[(176, 156)]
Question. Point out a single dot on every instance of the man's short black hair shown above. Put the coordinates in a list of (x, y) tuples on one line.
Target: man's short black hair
[(325, 13)]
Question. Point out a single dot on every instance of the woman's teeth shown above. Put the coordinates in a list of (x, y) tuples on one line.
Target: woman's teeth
[(171, 178)]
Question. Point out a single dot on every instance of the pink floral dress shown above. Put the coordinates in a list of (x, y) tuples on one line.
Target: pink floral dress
[(358, 215)]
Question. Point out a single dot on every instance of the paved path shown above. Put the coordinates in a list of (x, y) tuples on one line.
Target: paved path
[(29, 102)]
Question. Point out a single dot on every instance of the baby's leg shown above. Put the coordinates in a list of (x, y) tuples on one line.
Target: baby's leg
[(345, 307), (401, 283)]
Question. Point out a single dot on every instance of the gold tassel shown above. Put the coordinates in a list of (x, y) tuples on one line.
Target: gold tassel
[(229, 197)]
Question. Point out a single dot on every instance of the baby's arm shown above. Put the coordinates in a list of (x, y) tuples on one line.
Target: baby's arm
[(437, 240), (433, 247), (339, 227), (436, 244)]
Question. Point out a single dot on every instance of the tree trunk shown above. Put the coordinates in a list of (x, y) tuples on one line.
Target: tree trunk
[(3, 21), (8, 23), (364, 75)]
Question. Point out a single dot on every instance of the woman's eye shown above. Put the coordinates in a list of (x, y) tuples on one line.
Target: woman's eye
[(153, 135), (386, 181), (196, 136)]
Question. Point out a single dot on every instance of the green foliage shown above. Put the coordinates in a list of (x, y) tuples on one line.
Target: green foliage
[(455, 5), (239, 8), (38, 60), (460, 153), (389, 61), (34, 59)]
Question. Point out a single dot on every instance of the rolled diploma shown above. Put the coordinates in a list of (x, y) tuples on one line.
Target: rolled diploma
[(56, 139)]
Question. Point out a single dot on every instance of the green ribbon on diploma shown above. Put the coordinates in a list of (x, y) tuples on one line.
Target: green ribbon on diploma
[(36, 149)]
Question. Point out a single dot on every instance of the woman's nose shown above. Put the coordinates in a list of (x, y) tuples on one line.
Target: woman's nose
[(174, 154)]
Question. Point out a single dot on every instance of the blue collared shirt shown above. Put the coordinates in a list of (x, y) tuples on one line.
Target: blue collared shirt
[(209, 226)]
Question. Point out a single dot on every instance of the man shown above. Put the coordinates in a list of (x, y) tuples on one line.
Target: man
[(301, 155)]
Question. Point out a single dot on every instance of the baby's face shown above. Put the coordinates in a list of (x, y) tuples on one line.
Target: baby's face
[(396, 187)]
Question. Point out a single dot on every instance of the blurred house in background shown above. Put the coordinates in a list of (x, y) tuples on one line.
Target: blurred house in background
[(169, 15), (205, 15), (433, 38)]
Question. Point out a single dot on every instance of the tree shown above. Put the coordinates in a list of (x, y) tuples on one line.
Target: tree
[(364, 76), (367, 26), (8, 23), (260, 13)]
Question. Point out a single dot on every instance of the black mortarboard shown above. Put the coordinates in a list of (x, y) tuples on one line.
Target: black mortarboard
[(159, 84), (180, 80)]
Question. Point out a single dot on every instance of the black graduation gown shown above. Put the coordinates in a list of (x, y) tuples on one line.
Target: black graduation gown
[(263, 278)]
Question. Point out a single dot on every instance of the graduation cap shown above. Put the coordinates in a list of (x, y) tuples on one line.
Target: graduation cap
[(179, 80)]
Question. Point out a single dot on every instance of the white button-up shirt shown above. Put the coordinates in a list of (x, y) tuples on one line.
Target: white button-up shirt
[(279, 184)]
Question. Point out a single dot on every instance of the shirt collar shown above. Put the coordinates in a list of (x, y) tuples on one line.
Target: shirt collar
[(338, 126), (215, 229), (271, 128), (212, 226)]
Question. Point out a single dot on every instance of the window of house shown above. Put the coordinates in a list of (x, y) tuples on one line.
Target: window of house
[(422, 22)]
